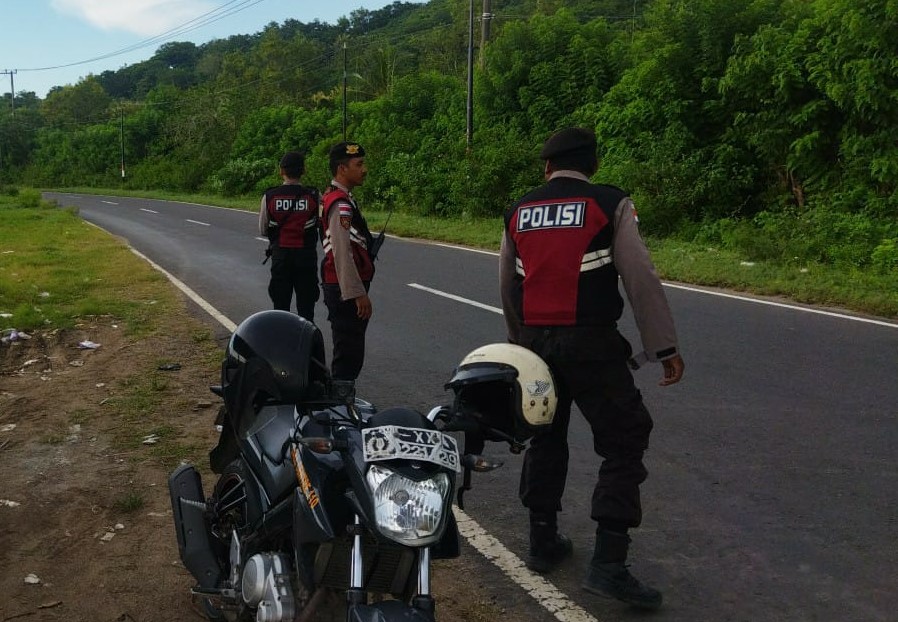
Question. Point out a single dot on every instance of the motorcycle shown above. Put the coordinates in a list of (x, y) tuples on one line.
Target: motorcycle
[(319, 493)]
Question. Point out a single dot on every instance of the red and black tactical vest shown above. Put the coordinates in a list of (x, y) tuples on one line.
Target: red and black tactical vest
[(565, 275), (295, 210), (359, 235)]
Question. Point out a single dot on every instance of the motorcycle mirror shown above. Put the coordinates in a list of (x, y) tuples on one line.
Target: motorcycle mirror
[(480, 464)]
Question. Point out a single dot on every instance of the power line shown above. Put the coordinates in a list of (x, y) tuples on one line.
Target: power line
[(360, 44), (196, 23)]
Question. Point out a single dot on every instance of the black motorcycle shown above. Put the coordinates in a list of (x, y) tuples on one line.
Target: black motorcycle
[(320, 494)]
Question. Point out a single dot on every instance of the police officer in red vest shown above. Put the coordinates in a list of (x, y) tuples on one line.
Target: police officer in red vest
[(565, 245), (288, 216), (347, 267)]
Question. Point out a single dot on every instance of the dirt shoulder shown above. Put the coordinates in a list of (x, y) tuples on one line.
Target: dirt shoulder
[(88, 437)]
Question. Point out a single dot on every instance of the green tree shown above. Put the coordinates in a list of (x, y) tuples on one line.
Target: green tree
[(539, 72), (85, 102), (660, 125), (853, 63), (782, 126)]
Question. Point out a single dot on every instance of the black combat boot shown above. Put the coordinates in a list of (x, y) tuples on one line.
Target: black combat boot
[(548, 548), (608, 575)]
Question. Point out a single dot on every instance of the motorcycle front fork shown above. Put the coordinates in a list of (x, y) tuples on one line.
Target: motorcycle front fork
[(356, 594)]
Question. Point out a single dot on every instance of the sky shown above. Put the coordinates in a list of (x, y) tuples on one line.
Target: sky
[(51, 43)]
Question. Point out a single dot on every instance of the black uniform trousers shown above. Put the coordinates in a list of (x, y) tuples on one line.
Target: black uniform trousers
[(590, 368), (348, 333), (294, 271)]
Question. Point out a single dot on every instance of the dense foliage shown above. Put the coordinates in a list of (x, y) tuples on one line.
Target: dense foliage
[(765, 126)]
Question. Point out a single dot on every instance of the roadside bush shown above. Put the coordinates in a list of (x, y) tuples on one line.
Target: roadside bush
[(825, 235), (12, 197), (885, 256), (242, 176)]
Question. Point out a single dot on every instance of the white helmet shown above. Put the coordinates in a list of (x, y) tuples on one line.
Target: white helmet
[(508, 387)]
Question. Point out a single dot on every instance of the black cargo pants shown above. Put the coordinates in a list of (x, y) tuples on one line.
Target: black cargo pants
[(347, 332), (294, 271), (590, 368)]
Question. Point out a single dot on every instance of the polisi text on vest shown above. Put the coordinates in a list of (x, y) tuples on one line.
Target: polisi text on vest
[(552, 215)]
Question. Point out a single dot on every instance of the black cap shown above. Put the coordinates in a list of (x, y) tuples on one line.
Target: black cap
[(572, 142), (344, 151), (293, 161)]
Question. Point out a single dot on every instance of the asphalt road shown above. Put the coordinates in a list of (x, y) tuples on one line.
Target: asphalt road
[(773, 488)]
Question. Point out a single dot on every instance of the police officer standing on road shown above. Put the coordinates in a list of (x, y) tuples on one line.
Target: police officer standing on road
[(347, 267), (288, 217), (565, 245)]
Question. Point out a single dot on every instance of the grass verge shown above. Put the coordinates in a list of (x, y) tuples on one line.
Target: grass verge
[(58, 274)]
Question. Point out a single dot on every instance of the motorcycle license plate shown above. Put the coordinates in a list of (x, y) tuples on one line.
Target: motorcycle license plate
[(392, 442)]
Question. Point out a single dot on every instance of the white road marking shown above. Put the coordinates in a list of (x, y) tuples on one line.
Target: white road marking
[(262, 239), (197, 222), (143, 209), (466, 301), (466, 248), (770, 303), (208, 308), (108, 202), (544, 593)]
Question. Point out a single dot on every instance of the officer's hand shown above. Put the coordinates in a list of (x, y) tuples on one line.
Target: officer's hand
[(363, 307), (673, 370)]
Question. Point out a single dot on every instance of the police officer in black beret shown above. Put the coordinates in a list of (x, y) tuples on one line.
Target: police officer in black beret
[(347, 267), (288, 217), (566, 244)]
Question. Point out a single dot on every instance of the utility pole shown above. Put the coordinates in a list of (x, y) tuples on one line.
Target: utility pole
[(345, 115), (122, 138), (470, 131), (486, 18), (12, 89)]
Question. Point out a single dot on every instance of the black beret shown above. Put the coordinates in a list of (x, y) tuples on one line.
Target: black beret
[(344, 150), (293, 161), (570, 142)]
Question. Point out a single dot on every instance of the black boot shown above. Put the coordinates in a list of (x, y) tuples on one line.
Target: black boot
[(608, 575), (548, 548)]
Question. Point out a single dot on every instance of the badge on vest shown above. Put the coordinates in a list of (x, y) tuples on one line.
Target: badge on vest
[(551, 216)]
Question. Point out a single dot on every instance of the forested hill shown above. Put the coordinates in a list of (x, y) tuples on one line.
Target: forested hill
[(765, 125)]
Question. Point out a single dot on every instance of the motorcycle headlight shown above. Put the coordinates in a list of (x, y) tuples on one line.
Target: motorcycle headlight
[(406, 510)]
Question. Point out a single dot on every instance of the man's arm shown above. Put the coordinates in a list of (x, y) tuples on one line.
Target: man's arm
[(507, 286), (351, 285), (645, 293), (264, 219)]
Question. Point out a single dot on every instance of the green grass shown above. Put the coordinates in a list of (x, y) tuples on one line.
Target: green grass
[(130, 502), (53, 437), (869, 292), (55, 269), (80, 416), (818, 284), (136, 400)]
